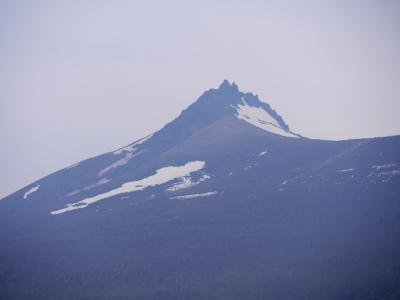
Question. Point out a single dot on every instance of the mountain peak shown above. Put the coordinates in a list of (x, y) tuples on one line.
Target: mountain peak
[(228, 98), (226, 85), (225, 104)]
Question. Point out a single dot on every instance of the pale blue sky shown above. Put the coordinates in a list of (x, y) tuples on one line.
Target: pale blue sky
[(79, 78)]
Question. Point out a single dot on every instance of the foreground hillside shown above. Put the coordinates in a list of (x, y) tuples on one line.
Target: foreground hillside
[(224, 202)]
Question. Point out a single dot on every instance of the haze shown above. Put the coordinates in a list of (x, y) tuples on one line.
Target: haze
[(79, 78)]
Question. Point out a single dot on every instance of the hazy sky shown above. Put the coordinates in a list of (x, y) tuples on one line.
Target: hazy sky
[(79, 78)]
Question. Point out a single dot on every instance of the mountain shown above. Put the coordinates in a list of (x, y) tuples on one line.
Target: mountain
[(224, 202)]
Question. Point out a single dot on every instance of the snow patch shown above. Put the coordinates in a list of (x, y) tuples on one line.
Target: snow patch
[(102, 181), (389, 173), (184, 184), (131, 147), (191, 196), (161, 176), (346, 170), (72, 166), (99, 182), (31, 191), (119, 163), (73, 193), (386, 166), (187, 182), (263, 153), (260, 118), (249, 166)]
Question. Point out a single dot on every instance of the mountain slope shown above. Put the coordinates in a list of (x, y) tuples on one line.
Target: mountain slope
[(224, 202)]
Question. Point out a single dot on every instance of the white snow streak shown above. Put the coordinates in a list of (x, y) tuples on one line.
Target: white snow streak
[(386, 166), (31, 191), (131, 147), (191, 196), (119, 163), (389, 173), (263, 153), (101, 181), (73, 166), (346, 170), (161, 176), (73, 193)]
